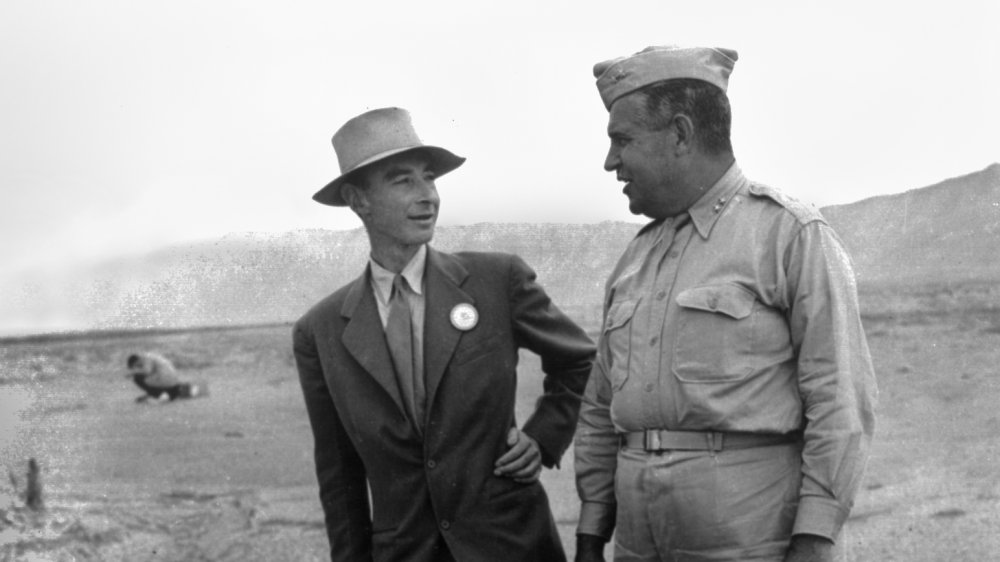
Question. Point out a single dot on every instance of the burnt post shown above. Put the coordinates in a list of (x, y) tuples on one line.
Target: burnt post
[(33, 492)]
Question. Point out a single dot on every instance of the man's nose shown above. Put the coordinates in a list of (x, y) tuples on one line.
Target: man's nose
[(612, 161), (428, 191)]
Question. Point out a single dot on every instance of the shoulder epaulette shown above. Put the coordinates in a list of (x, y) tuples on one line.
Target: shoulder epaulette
[(803, 212)]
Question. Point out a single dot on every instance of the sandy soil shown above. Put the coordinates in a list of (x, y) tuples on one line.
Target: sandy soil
[(225, 477), (229, 477)]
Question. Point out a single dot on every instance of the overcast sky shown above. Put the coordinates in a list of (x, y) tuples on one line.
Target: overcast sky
[(129, 125)]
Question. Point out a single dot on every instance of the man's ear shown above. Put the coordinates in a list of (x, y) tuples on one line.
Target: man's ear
[(356, 198), (684, 127)]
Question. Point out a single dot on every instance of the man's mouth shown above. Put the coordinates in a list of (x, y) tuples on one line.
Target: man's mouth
[(422, 217)]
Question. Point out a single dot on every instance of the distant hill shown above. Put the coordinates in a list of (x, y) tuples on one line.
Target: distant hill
[(260, 278), (268, 277), (947, 231)]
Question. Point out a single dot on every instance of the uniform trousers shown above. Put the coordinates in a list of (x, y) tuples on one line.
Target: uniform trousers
[(702, 506)]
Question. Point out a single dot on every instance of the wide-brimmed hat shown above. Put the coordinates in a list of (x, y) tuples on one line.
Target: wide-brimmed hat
[(374, 136)]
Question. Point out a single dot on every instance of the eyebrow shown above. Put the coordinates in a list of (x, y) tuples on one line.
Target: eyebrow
[(396, 170), (399, 170)]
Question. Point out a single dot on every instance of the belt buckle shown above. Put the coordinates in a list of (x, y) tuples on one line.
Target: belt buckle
[(651, 440), (714, 440)]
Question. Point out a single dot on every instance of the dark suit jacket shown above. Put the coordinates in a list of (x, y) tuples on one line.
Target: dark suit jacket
[(441, 485)]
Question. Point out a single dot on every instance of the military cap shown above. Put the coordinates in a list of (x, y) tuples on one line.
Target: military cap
[(623, 75)]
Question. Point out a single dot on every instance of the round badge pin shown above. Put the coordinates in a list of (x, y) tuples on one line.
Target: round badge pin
[(464, 317)]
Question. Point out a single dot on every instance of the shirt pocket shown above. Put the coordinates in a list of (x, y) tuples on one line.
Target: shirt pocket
[(715, 334), (618, 334)]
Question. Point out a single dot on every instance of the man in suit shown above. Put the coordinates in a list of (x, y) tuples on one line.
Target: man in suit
[(409, 374)]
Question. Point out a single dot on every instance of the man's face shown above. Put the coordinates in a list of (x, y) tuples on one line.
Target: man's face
[(400, 204), (645, 160)]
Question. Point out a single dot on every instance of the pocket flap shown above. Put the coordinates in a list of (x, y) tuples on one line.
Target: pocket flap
[(732, 300), (619, 313)]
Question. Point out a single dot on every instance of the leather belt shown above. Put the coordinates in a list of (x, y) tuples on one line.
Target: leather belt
[(665, 440)]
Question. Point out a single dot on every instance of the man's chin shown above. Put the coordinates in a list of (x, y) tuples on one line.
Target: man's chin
[(643, 213), (424, 236)]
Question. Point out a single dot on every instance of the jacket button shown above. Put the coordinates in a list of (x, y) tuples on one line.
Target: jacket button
[(431, 464), (445, 524)]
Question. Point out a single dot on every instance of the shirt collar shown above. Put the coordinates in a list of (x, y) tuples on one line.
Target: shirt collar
[(413, 272), (710, 206)]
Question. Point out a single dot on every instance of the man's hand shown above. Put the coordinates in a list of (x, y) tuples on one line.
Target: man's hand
[(589, 548), (523, 461), (810, 548)]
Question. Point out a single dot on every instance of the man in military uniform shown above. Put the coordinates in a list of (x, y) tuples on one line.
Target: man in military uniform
[(730, 411)]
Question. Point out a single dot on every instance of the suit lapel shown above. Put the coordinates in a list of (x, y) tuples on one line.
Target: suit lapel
[(444, 277), (364, 337)]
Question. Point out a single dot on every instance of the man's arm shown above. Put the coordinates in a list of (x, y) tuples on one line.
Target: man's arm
[(566, 353), (596, 459), (342, 482), (836, 379), (596, 450)]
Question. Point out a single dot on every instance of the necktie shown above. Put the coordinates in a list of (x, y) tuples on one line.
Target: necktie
[(669, 237), (679, 222), (399, 335)]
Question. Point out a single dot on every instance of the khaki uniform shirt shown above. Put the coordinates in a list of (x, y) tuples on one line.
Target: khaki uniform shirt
[(743, 319)]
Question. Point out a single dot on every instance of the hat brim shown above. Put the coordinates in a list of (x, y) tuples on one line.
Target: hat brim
[(441, 162)]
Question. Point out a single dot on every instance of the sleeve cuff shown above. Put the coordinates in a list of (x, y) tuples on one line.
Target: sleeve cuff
[(549, 460), (818, 516), (597, 519)]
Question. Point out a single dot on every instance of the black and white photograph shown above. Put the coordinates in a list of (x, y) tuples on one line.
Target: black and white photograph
[(458, 281)]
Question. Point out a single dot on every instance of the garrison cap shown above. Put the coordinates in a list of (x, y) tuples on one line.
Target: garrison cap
[(623, 75)]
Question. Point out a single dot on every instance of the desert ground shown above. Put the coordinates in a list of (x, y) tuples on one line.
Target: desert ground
[(229, 476)]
